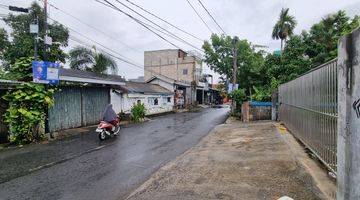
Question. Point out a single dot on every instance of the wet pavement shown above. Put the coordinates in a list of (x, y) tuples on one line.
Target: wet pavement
[(81, 167)]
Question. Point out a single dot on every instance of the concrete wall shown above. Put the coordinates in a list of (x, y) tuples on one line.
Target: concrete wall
[(253, 113), (348, 144), (124, 102)]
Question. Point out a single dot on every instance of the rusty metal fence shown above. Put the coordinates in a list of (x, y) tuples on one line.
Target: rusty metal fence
[(308, 107)]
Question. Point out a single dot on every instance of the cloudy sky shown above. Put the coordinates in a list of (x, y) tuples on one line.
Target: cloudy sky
[(248, 19)]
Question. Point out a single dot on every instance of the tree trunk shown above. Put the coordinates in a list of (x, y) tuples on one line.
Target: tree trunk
[(282, 45)]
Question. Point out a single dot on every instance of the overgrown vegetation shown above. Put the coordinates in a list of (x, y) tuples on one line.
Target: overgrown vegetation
[(28, 102), (259, 72), (239, 97), (138, 112), (26, 114)]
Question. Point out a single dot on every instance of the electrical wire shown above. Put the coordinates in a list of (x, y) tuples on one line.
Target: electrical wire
[(92, 27), (124, 59), (211, 16), (170, 33), (110, 5), (199, 16), (167, 22), (74, 39)]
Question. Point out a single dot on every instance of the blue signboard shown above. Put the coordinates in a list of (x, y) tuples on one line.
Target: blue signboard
[(45, 72)]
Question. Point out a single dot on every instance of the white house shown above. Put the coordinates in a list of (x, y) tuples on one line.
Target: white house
[(156, 99), (182, 89)]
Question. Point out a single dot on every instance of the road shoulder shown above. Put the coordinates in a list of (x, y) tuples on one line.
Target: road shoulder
[(236, 161)]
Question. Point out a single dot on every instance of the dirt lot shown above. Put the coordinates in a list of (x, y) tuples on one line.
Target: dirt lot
[(235, 161)]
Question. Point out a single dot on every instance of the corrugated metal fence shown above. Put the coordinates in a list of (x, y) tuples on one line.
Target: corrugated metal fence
[(308, 107), (77, 106)]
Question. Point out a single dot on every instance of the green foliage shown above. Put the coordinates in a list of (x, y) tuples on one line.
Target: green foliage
[(219, 57), (259, 74), (21, 70), (138, 112), (26, 114), (321, 41), (238, 96), (4, 42), (284, 27), (82, 58), (22, 43)]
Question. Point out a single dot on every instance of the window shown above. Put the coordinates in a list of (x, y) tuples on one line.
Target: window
[(156, 101), (185, 71), (166, 100), (153, 101)]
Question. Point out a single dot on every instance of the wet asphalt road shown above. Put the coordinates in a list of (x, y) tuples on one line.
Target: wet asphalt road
[(83, 168)]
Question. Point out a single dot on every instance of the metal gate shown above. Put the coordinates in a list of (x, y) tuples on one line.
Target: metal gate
[(76, 107), (308, 107)]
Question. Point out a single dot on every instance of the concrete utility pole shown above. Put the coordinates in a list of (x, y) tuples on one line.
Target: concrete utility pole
[(46, 30), (235, 40), (348, 142)]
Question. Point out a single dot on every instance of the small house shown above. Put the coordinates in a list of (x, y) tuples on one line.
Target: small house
[(156, 99)]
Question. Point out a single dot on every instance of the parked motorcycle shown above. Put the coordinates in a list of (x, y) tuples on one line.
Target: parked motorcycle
[(107, 129)]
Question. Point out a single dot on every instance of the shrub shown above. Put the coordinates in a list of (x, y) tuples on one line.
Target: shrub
[(138, 112), (28, 104), (239, 97)]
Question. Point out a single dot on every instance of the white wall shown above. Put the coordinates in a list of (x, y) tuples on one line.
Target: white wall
[(125, 101), (116, 100)]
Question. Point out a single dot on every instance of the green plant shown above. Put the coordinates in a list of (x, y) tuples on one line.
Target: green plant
[(82, 58), (239, 97), (284, 27), (28, 104), (138, 112)]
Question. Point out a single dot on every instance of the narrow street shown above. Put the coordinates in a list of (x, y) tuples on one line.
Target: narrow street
[(81, 167)]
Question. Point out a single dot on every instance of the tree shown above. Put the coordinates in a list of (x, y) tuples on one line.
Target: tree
[(219, 57), (4, 42), (22, 43), (322, 39), (284, 27), (82, 58)]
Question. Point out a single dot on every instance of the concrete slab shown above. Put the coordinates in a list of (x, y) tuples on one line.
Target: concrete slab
[(235, 161)]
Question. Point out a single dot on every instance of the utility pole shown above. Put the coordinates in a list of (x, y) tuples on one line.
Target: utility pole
[(46, 29), (36, 25), (235, 40)]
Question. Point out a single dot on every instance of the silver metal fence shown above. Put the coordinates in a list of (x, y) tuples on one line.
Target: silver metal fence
[(308, 107)]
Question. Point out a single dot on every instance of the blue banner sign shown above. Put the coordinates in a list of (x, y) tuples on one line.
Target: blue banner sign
[(45, 72)]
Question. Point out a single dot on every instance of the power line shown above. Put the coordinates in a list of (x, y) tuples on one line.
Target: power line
[(154, 15), (211, 16), (172, 34), (199, 16), (90, 46), (122, 59), (93, 27), (110, 5)]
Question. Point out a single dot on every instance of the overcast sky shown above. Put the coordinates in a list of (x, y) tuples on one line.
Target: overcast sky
[(248, 19)]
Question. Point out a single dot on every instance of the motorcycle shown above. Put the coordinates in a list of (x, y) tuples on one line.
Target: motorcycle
[(106, 129)]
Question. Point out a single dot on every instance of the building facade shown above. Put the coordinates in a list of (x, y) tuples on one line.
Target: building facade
[(176, 65), (155, 98)]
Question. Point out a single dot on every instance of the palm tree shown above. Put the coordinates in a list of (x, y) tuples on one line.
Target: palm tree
[(90, 60), (284, 27)]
